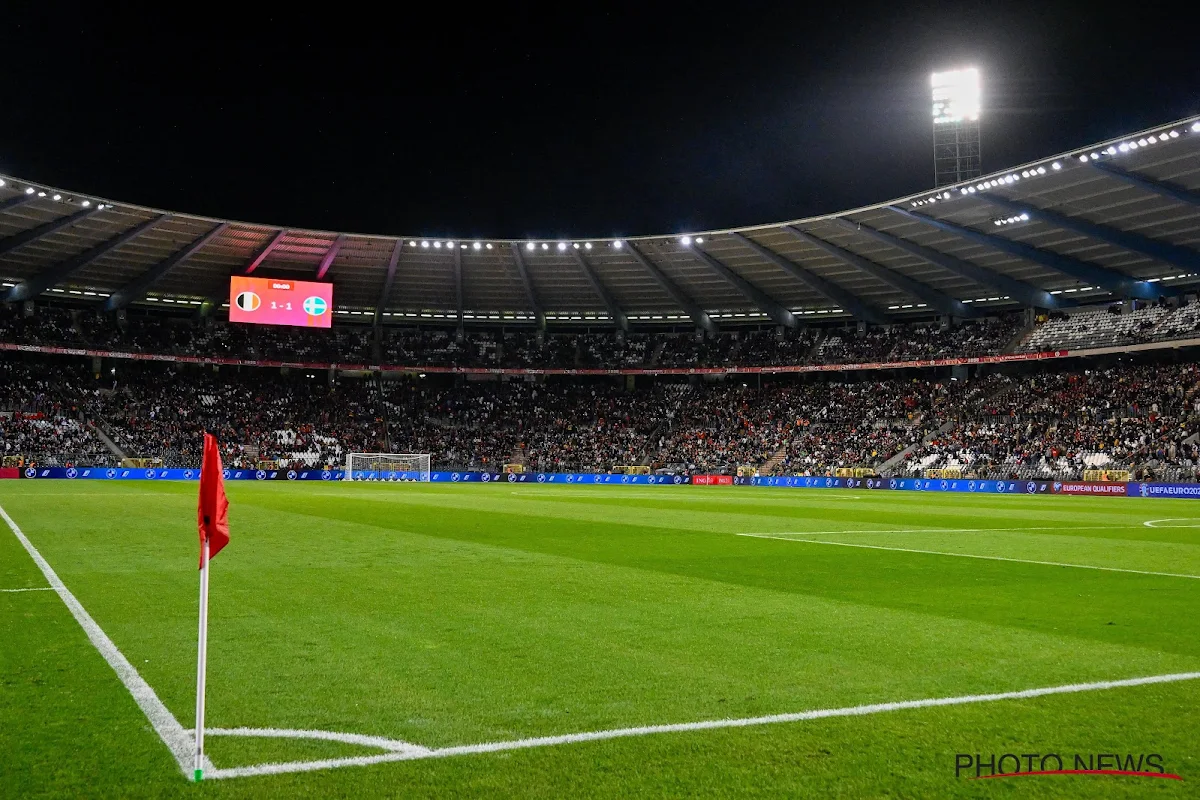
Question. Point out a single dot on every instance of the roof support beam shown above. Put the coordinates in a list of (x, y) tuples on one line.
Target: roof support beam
[(458, 286), (1116, 282), (37, 232), (765, 302), (388, 279), (530, 294), (262, 254), (1170, 191), (681, 298), (137, 288), (330, 255), (614, 309), (14, 202), (934, 298), (1025, 293), (53, 275), (831, 291), (1173, 254)]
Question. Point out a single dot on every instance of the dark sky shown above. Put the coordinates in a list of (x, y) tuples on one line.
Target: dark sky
[(510, 123)]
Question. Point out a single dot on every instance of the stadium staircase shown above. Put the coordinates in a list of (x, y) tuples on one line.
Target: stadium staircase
[(1017, 340), (658, 348), (886, 467), (769, 467), (96, 426), (811, 356)]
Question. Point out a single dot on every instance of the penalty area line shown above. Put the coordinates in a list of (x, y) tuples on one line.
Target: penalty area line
[(30, 589), (161, 719), (684, 727), (972, 555)]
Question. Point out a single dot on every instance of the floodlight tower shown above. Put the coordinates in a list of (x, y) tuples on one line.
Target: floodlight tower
[(956, 101)]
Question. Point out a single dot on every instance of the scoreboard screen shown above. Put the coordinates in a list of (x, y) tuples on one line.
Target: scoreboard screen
[(274, 301)]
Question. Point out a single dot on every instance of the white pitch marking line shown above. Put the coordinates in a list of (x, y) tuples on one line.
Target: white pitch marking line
[(941, 530), (31, 589), (161, 719), (383, 743), (647, 730), (1150, 523), (972, 555)]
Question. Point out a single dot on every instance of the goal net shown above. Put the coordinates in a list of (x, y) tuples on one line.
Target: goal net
[(387, 467)]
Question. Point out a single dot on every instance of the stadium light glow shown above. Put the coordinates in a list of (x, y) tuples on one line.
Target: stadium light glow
[(530, 245), (562, 246), (956, 95), (437, 245), (587, 245), (685, 240), (545, 246), (1056, 165), (29, 190), (450, 245), (489, 245), (2, 183), (617, 244), (477, 246), (87, 203), (425, 244), (1196, 127), (576, 245), (412, 244), (699, 240), (57, 197)]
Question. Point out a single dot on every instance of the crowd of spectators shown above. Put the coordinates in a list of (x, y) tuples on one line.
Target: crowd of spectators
[(1045, 424), (520, 348), (1060, 424)]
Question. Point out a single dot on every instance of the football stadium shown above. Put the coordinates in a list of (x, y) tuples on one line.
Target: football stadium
[(902, 500)]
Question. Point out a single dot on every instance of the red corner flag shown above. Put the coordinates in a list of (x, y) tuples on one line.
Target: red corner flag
[(213, 513)]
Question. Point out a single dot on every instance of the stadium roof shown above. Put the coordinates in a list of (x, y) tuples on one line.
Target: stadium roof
[(1117, 219)]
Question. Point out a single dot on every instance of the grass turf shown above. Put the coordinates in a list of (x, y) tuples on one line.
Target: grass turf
[(448, 615)]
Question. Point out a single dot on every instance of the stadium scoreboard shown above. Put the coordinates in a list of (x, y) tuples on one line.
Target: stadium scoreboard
[(277, 301)]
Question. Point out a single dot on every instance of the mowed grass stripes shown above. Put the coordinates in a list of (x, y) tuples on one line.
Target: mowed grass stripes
[(447, 615)]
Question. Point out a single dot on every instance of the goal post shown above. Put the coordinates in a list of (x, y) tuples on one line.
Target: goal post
[(387, 467)]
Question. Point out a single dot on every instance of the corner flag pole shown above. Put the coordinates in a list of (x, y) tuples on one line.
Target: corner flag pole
[(202, 663)]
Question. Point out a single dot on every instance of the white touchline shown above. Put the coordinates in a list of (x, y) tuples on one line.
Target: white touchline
[(770, 534), (683, 727), (969, 555), (31, 589), (161, 719)]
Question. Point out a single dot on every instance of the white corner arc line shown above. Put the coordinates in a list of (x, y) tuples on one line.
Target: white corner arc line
[(973, 555), (682, 727), (1150, 522), (161, 719), (30, 589)]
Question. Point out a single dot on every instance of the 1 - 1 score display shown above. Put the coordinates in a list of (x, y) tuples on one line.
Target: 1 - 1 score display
[(274, 301)]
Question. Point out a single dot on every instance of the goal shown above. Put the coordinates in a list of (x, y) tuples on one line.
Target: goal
[(387, 467)]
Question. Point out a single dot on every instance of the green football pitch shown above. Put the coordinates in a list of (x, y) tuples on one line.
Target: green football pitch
[(500, 640)]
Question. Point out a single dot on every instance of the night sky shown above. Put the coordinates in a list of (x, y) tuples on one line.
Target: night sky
[(512, 123)]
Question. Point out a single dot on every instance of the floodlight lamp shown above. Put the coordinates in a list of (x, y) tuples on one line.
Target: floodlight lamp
[(450, 245), (87, 203), (587, 245), (685, 240), (956, 95), (477, 246), (1056, 165), (437, 245), (412, 244), (425, 245), (545, 246), (699, 240), (530, 245), (562, 246), (58, 197), (617, 244), (29, 190)]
